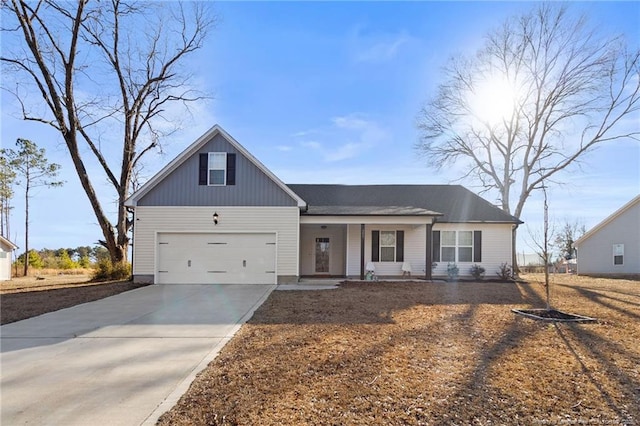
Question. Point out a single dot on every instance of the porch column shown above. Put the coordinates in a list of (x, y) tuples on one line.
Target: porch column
[(362, 251), (428, 254)]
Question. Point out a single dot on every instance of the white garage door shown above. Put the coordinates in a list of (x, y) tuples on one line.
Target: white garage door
[(216, 258)]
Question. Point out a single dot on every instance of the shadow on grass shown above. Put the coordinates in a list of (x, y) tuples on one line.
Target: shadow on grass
[(602, 351), (375, 303), (419, 353), (606, 300)]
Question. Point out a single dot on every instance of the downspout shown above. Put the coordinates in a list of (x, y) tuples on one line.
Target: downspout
[(133, 225), (514, 255)]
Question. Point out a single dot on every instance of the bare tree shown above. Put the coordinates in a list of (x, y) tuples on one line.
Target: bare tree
[(33, 170), (543, 245), (544, 90), (565, 239), (108, 77)]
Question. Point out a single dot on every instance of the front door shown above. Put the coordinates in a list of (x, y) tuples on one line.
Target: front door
[(322, 255)]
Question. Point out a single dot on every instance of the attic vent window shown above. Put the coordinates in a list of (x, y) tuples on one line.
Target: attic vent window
[(217, 169)]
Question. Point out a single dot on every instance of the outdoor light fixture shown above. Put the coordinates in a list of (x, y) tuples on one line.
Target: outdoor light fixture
[(215, 218)]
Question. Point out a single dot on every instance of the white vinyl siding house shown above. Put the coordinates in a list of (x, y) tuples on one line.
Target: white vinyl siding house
[(6, 254), (414, 249), (215, 214), (613, 246), (495, 248), (282, 222)]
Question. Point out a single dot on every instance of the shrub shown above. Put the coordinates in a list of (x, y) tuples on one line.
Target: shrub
[(105, 270), (65, 261), (452, 271), (505, 272), (477, 272), (84, 262), (35, 261)]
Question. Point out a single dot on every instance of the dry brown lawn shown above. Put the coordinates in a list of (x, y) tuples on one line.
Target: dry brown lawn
[(427, 353), (26, 297)]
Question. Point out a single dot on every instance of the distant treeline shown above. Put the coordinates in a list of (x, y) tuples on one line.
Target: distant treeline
[(65, 258)]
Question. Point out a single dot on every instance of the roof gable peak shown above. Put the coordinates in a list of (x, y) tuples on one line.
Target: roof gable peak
[(192, 150)]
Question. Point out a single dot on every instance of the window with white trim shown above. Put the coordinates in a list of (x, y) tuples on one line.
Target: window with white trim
[(456, 246), (217, 170), (448, 246), (465, 246), (387, 246), (618, 254)]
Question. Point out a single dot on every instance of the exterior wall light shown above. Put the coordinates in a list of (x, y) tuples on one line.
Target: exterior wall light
[(215, 218)]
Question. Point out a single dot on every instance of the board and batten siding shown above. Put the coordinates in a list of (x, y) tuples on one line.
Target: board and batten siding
[(496, 247), (252, 186), (414, 249), (284, 221)]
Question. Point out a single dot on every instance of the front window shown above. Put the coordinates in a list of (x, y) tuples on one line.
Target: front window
[(387, 246), (217, 168), (456, 246), (465, 246)]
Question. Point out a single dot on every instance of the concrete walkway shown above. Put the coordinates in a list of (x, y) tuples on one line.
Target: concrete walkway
[(123, 360)]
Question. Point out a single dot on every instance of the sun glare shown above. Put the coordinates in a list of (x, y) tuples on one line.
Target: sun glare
[(494, 101)]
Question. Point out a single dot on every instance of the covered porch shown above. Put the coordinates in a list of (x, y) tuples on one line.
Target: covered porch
[(342, 246)]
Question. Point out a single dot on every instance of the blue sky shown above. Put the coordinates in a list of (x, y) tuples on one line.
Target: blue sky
[(329, 92)]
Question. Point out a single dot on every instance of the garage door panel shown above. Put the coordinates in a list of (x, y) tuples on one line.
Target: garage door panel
[(216, 258)]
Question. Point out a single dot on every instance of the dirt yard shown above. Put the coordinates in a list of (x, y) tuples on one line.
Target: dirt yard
[(26, 297), (428, 354)]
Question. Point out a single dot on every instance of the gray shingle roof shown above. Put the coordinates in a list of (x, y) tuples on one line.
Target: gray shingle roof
[(454, 202)]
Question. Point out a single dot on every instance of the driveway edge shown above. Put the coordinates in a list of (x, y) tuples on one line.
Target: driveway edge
[(184, 385)]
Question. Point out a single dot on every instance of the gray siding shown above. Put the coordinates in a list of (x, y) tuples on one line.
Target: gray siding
[(252, 188), (595, 253)]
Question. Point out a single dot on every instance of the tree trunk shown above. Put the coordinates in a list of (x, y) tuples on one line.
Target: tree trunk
[(117, 247), (26, 226)]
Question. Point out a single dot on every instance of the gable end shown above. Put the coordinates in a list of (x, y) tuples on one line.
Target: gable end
[(194, 178)]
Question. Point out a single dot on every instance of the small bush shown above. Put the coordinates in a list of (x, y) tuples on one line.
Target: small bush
[(105, 271), (477, 272), (65, 262), (452, 271), (505, 272)]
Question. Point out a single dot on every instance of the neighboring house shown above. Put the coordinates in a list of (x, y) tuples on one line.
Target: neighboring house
[(6, 251), (613, 246), (215, 214)]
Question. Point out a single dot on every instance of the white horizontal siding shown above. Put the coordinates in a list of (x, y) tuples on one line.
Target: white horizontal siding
[(496, 247), (149, 221), (414, 249)]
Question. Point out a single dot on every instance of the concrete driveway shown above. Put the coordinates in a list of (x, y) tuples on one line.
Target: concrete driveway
[(123, 360)]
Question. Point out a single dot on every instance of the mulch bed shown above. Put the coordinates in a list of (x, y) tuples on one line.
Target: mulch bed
[(21, 304), (426, 354), (552, 315)]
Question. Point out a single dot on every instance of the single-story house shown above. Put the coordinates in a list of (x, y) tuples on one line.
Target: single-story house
[(215, 214), (6, 255), (612, 247)]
